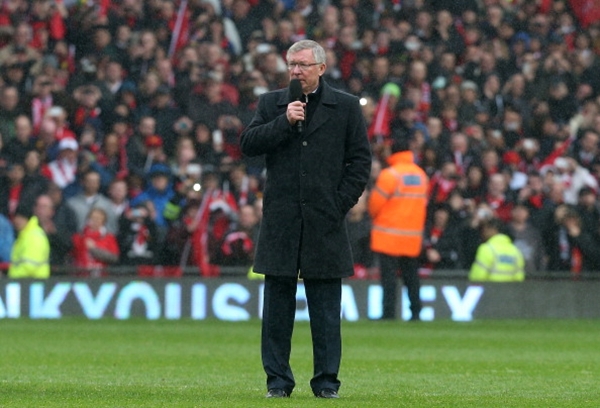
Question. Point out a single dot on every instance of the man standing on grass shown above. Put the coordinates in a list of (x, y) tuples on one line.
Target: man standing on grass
[(318, 164), (398, 207)]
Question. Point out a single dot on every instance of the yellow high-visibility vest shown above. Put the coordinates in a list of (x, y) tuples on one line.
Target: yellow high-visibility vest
[(498, 260), (30, 256)]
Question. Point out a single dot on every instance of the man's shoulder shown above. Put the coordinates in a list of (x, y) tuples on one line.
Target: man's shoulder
[(75, 200), (410, 173), (104, 201), (418, 169)]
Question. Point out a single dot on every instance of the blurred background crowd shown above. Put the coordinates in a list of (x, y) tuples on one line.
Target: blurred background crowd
[(133, 108)]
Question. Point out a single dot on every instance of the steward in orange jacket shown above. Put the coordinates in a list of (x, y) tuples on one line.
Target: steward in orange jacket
[(398, 207)]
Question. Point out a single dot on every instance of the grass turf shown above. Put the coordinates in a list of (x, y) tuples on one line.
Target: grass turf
[(137, 363)]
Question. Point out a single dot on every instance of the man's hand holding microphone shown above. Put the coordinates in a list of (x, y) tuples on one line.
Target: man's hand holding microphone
[(296, 109)]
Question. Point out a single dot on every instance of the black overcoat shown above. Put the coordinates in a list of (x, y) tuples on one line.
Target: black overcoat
[(313, 179)]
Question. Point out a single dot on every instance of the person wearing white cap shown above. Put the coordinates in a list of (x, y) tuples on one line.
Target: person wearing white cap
[(58, 114), (63, 170), (574, 177), (68, 143)]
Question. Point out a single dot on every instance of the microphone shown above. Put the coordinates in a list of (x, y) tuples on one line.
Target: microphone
[(296, 95)]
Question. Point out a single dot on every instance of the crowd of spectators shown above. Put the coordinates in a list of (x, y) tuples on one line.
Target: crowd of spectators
[(134, 108)]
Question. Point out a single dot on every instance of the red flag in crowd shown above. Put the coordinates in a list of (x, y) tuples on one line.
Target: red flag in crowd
[(179, 27), (380, 125)]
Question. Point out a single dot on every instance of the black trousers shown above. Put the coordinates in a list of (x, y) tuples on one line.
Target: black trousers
[(279, 309), (389, 266)]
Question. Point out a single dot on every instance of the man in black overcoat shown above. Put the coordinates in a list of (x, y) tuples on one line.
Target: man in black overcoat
[(318, 163)]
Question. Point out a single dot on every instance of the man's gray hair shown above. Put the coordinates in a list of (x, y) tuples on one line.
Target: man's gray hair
[(318, 51)]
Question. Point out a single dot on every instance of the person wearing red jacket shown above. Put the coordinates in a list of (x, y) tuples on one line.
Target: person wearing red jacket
[(398, 207), (95, 248)]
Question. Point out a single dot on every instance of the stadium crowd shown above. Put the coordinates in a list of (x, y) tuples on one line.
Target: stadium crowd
[(133, 108)]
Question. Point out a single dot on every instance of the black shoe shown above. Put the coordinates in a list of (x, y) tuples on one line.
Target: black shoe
[(277, 393), (327, 393)]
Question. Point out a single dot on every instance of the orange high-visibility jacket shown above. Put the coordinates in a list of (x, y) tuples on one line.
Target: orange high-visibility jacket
[(398, 206)]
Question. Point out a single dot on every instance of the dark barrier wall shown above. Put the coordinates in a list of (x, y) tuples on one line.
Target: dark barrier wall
[(241, 299)]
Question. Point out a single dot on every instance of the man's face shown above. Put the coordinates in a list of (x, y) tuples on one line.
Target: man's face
[(114, 72), (520, 213), (22, 35), (44, 208), (91, 183), (247, 217), (96, 220), (16, 173), (302, 65), (487, 233), (588, 200), (147, 126), (10, 98), (22, 128), (160, 182), (407, 115), (118, 191), (589, 142), (19, 222), (418, 72), (497, 184), (69, 155)]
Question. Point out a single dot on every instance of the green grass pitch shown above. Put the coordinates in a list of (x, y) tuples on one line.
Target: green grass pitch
[(74, 362)]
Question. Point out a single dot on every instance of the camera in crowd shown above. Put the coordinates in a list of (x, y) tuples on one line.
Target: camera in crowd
[(194, 171), (138, 213), (190, 179)]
